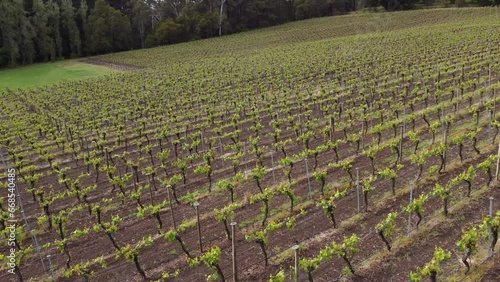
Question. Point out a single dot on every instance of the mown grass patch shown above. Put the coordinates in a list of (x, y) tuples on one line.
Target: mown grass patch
[(48, 74)]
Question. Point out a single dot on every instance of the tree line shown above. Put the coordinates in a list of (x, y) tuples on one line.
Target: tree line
[(48, 30)]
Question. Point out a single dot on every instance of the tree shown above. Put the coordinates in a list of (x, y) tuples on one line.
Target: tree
[(346, 250), (174, 235), (257, 174), (206, 169), (7, 27), (131, 253), (121, 31), (328, 205), (396, 5), (107, 29), (473, 137), (55, 25), (420, 160), (153, 211), (140, 15), (83, 269), (371, 154), (459, 142), (285, 188), (265, 197), (385, 228), (44, 43), (211, 259), (17, 33), (492, 223), (468, 176), (287, 162), (26, 34), (82, 16), (389, 173), (261, 236), (320, 177), (309, 265), (368, 187), (417, 207), (444, 193), (414, 138), (485, 166), (198, 21), (225, 214), (431, 268), (440, 151), (182, 165), (109, 228), (68, 21), (346, 165), (469, 245)]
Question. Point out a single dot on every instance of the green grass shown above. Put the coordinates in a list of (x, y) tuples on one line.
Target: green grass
[(49, 73)]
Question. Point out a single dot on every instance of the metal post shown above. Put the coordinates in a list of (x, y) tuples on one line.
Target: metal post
[(37, 248), (272, 167), (404, 117), (196, 205), (150, 189), (411, 201), (490, 251), (498, 161), (371, 114), (245, 158), (300, 122), (331, 128), (445, 139), (401, 144), (357, 188), (489, 126), (296, 268), (202, 140), (221, 152), (362, 135), (233, 243), (51, 269), (442, 119), (171, 206), (308, 179)]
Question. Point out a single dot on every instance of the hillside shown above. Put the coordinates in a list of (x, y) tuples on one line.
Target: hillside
[(347, 136)]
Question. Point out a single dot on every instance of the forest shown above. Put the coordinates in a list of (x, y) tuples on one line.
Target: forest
[(48, 30), (349, 148)]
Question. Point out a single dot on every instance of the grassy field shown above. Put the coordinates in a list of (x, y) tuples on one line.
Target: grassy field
[(49, 73)]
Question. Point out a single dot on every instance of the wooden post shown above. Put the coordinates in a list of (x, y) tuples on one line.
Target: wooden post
[(171, 207), (400, 157), (357, 188), (245, 158), (272, 167), (498, 162), (490, 251), (296, 268), (196, 205), (51, 269), (411, 200), (308, 179), (233, 244)]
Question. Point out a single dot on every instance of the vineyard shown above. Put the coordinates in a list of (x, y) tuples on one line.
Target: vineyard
[(350, 148)]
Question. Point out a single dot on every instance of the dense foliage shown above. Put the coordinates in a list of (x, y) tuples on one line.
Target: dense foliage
[(270, 138), (43, 30)]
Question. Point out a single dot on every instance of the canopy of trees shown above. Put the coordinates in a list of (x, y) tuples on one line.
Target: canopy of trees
[(43, 30)]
